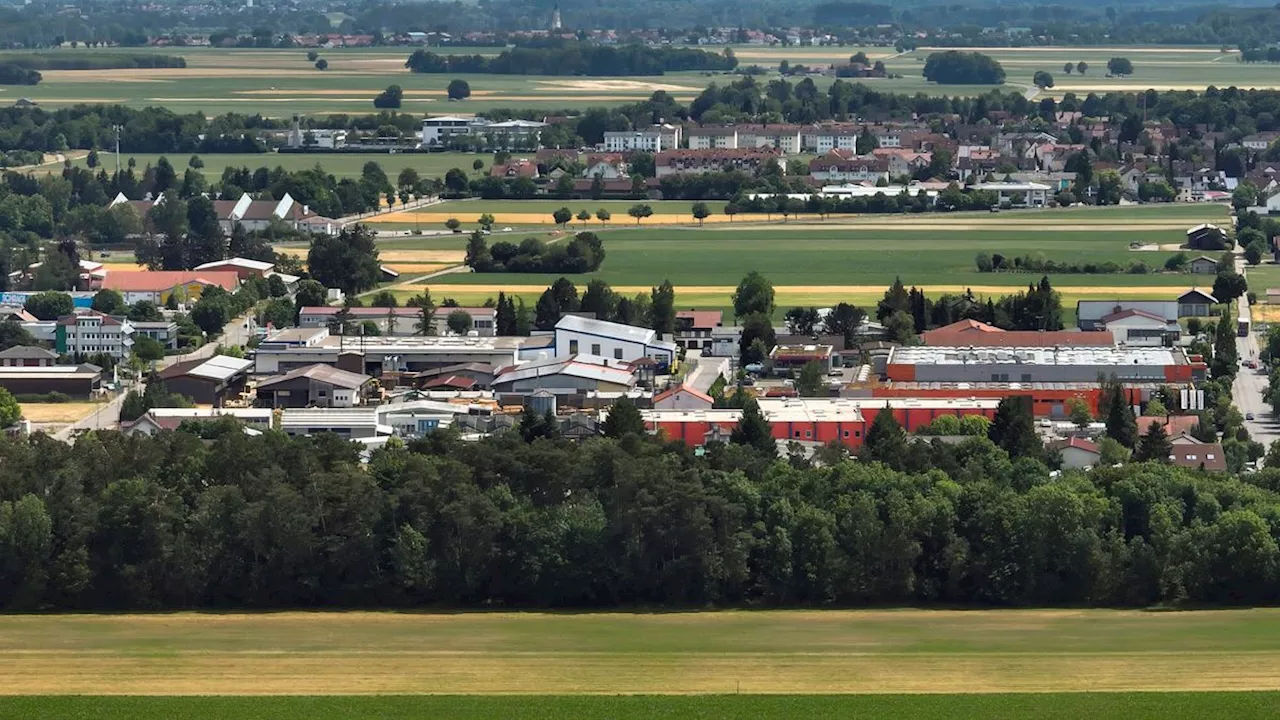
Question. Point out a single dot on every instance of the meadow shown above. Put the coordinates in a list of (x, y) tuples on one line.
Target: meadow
[(280, 83), (341, 165), (801, 652)]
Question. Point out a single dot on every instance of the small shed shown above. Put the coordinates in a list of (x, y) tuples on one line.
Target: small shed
[(1203, 265)]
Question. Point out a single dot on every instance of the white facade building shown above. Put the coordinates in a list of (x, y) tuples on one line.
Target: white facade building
[(653, 140), (94, 333), (439, 131), (584, 336)]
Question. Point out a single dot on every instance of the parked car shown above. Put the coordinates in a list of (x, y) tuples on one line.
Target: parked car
[(1248, 416)]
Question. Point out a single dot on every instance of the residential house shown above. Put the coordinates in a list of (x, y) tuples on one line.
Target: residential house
[(27, 356), (712, 137), (1174, 425), (1077, 453), (784, 138), (748, 160), (1196, 303), (682, 397), (516, 168), (1260, 141), (1090, 313), (93, 333), (903, 162), (315, 386), (1140, 328), (576, 335), (825, 138), (654, 139), (609, 166), (1191, 453), (164, 332), (694, 327), (210, 381), (842, 166), (157, 285)]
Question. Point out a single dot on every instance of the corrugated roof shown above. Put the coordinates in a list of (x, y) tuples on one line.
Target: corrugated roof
[(320, 373), (590, 367), (575, 323), (218, 367)]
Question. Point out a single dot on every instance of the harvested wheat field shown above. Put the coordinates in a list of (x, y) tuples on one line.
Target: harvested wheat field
[(58, 413), (906, 651)]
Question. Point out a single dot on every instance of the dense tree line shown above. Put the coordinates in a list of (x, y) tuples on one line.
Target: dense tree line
[(210, 517), (1039, 265), (953, 67), (93, 61), (581, 253), (575, 58)]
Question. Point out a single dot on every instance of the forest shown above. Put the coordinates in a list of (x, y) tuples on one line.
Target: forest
[(211, 517)]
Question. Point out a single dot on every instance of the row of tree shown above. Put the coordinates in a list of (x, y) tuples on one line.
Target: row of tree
[(211, 517)]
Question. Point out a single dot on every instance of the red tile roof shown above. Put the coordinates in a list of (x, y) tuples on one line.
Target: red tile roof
[(978, 334), (692, 391), (701, 319), (1173, 425), (161, 280), (1082, 444)]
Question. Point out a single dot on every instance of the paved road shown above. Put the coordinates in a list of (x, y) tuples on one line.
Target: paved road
[(1247, 395), (106, 417)]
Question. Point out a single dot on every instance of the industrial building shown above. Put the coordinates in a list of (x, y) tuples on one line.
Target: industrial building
[(298, 347), (1040, 364), (208, 382), (74, 380), (814, 420)]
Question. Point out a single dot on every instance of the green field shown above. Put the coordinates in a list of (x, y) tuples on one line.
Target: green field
[(279, 83), (855, 257), (1044, 706), (788, 652), (338, 164)]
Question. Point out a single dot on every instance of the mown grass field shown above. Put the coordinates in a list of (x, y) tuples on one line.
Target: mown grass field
[(894, 652), (279, 83), (341, 165), (1046, 706)]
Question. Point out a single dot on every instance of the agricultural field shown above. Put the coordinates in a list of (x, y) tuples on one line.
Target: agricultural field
[(539, 212), (854, 260), (280, 83), (897, 652), (341, 165), (1049, 706)]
